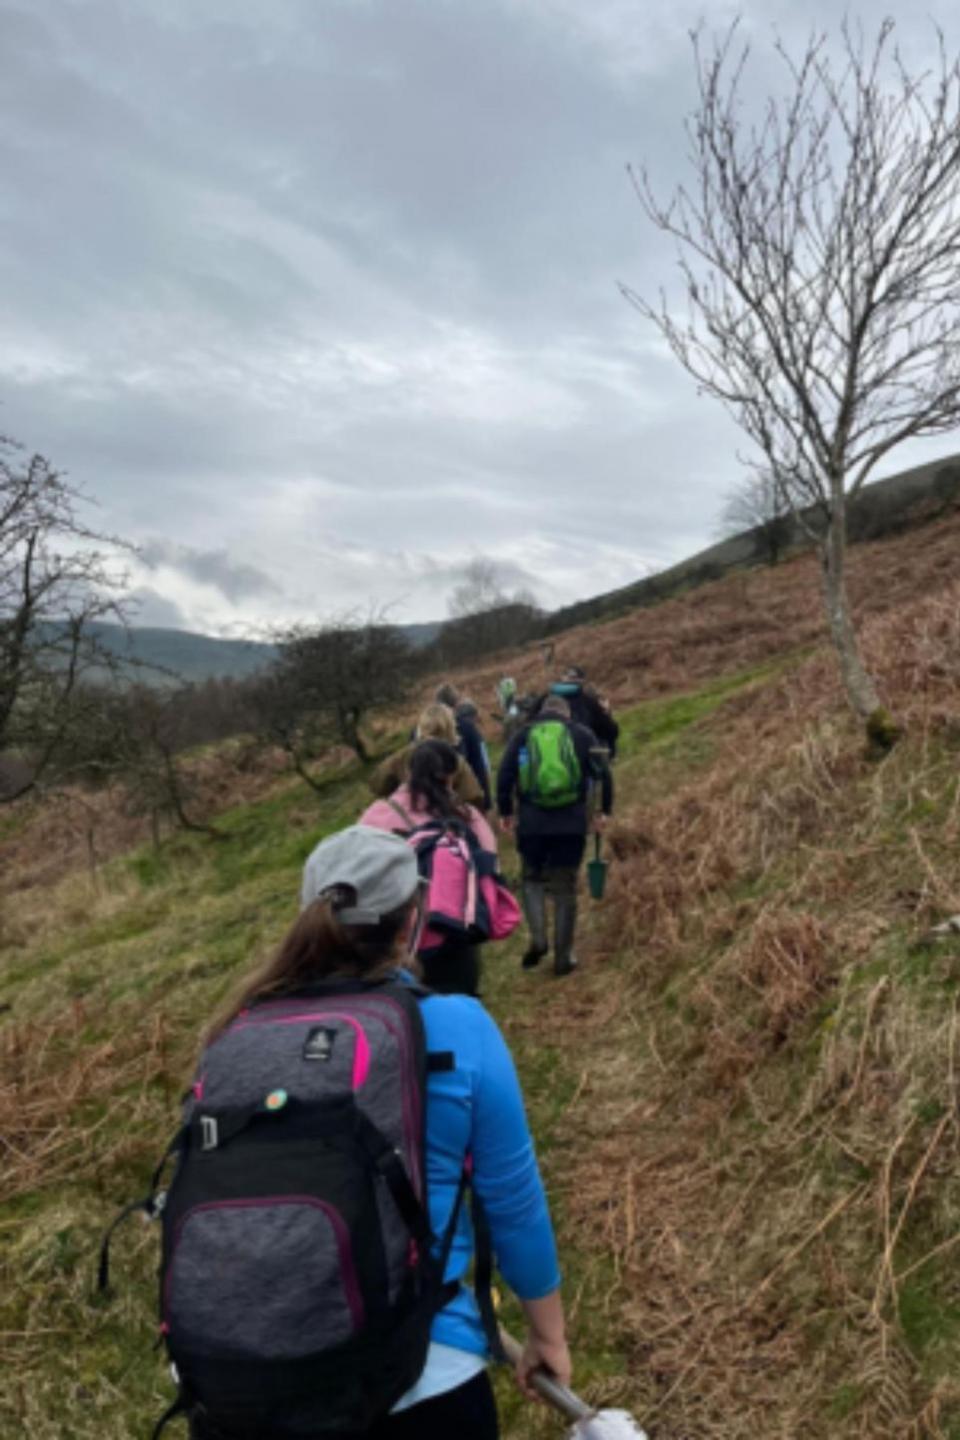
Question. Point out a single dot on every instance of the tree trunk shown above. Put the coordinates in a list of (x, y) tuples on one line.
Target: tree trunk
[(176, 800), (882, 730), (299, 764), (350, 734)]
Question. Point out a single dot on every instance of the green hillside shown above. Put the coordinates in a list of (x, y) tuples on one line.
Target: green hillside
[(745, 1100), (183, 655)]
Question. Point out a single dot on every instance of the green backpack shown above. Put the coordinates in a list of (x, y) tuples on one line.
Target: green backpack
[(550, 773)]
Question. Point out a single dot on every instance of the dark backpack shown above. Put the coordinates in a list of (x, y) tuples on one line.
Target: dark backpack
[(550, 773), (299, 1276)]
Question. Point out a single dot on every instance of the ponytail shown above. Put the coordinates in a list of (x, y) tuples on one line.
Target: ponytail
[(432, 765)]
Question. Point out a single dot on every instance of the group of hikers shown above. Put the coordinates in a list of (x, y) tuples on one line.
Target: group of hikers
[(552, 788), (355, 1140)]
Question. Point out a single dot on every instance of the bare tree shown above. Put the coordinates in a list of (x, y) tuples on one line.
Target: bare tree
[(282, 715), (759, 504), (326, 680), (484, 616), (820, 253), (152, 730), (58, 577), (478, 591)]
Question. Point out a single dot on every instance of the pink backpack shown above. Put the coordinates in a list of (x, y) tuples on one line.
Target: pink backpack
[(465, 896)]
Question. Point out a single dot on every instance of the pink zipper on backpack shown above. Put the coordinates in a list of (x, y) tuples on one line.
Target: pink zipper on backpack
[(411, 1112)]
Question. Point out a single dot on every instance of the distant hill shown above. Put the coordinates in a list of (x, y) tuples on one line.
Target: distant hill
[(193, 657), (189, 656), (884, 508)]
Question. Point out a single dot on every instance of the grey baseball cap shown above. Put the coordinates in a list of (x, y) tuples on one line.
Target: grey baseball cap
[(380, 866)]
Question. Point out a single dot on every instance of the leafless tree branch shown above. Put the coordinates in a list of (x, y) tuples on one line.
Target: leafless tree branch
[(819, 253)]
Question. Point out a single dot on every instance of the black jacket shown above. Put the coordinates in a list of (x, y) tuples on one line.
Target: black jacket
[(569, 819), (471, 748), (585, 709)]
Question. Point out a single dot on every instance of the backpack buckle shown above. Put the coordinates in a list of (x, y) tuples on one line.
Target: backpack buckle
[(209, 1133)]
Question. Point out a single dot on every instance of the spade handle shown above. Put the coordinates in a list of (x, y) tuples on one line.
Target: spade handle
[(549, 1389)]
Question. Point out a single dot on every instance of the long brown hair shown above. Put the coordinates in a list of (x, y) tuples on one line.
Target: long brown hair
[(318, 946)]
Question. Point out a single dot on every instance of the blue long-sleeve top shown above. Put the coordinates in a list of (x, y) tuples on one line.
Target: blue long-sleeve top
[(477, 1109)]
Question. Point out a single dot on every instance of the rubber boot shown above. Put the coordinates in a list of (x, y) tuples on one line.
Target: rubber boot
[(535, 909), (565, 924)]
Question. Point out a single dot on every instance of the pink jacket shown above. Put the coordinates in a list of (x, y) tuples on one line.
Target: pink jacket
[(381, 816)]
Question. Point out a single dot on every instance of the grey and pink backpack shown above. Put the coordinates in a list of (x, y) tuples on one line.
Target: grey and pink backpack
[(299, 1275)]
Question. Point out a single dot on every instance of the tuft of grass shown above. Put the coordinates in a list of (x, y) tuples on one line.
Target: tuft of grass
[(928, 1311)]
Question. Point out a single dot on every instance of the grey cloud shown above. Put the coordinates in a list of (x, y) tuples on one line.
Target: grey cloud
[(331, 290), (235, 581)]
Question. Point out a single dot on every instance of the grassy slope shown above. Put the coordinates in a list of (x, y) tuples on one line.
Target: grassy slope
[(107, 996), (745, 1102)]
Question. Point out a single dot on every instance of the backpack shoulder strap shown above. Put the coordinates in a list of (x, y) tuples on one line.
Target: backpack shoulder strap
[(483, 1276), (398, 809)]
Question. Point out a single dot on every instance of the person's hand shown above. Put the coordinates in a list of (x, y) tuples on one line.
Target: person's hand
[(540, 1354), (600, 823), (507, 824)]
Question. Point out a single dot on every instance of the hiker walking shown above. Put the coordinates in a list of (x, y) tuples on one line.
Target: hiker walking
[(508, 711), (468, 713), (436, 722), (470, 741), (428, 800), (587, 707), (551, 766), (316, 1232)]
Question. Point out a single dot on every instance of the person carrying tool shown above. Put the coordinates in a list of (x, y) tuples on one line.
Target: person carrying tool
[(351, 1145), (587, 707), (549, 767)]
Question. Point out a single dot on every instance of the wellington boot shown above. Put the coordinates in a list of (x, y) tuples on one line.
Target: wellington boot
[(564, 960), (535, 909)]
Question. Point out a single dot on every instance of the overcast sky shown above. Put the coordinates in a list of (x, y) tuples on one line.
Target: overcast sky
[(318, 298)]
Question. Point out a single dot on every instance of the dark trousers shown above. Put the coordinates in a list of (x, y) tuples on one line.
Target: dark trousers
[(467, 1413), (542, 855), (454, 969)]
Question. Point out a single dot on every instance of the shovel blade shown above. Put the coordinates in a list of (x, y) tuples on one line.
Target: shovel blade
[(597, 878), (608, 1425)]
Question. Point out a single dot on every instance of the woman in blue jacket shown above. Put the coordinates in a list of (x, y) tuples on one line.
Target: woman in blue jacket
[(474, 1116)]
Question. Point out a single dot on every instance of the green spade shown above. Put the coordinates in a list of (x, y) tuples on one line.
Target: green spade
[(597, 871)]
